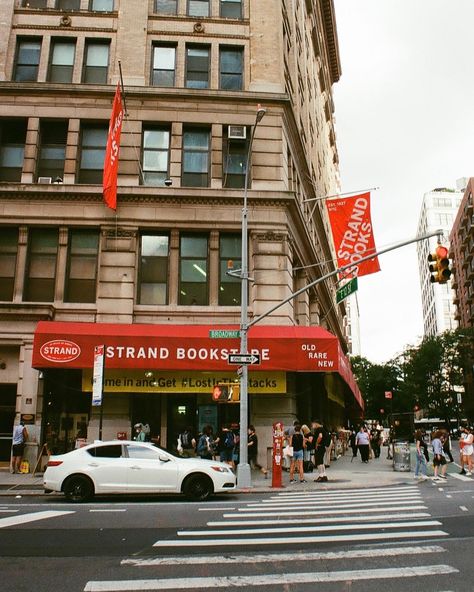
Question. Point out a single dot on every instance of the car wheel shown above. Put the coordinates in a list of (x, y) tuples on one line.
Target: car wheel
[(78, 489), (198, 488)]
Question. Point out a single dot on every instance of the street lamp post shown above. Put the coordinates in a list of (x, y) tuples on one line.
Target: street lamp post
[(243, 469)]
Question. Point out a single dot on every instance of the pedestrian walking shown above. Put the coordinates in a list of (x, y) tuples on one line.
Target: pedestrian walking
[(253, 451), (467, 449), (206, 444), (439, 460), (447, 446), (375, 437), (363, 443), (352, 444), (321, 438), (297, 443), (187, 443), (139, 432), (20, 436), (225, 446), (421, 456)]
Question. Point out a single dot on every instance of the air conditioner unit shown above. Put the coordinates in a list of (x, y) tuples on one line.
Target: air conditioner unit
[(45, 180), (237, 132)]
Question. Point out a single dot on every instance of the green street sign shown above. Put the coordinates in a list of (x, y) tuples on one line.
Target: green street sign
[(346, 290), (224, 333)]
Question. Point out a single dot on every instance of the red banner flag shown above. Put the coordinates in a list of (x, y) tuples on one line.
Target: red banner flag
[(352, 233), (112, 152)]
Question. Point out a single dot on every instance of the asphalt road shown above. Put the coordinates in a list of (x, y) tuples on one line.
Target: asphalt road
[(414, 537)]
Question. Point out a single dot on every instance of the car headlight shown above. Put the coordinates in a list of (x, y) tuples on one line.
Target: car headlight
[(221, 469)]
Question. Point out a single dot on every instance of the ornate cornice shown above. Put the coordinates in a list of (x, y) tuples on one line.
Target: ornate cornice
[(330, 36)]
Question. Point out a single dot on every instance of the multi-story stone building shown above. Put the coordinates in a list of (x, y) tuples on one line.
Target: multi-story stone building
[(462, 253), (150, 281), (438, 210)]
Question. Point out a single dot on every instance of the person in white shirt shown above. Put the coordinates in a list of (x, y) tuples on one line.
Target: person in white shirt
[(363, 443), (467, 439)]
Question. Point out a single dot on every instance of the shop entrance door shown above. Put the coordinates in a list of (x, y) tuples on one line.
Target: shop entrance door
[(7, 417), (181, 415)]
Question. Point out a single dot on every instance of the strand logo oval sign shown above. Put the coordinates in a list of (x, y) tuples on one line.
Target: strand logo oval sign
[(60, 351)]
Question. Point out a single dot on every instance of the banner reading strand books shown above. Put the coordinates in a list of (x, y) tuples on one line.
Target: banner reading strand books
[(352, 233), (112, 152)]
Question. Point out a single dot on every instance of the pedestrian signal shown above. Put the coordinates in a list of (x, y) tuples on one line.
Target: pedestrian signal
[(439, 265), (227, 392)]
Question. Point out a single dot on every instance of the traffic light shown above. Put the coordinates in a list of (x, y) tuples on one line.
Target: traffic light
[(439, 265), (227, 392)]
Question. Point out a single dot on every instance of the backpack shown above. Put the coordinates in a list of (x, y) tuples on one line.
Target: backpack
[(203, 445), (185, 438), (229, 440)]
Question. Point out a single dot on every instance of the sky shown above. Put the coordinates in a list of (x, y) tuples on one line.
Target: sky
[(404, 109)]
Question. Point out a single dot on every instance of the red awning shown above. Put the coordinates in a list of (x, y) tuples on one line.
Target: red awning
[(186, 347)]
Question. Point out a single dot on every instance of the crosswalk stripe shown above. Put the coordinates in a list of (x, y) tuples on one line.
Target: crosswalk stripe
[(382, 552), (355, 510), (340, 500), (5, 511), (325, 501), (329, 494), (317, 498), (301, 540), (349, 491), (24, 518), (296, 529), (326, 505), (298, 520), (460, 477), (205, 583)]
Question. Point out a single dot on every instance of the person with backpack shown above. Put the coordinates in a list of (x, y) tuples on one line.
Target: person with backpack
[(297, 441), (321, 439), (205, 446), (226, 443), (253, 451), (187, 443)]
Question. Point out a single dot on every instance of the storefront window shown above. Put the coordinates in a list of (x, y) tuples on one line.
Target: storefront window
[(229, 285), (8, 253), (41, 267), (153, 275), (193, 272), (82, 266)]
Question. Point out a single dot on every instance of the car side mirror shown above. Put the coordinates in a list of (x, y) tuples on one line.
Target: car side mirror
[(164, 459)]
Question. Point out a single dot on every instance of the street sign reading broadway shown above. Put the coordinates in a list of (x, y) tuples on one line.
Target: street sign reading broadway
[(346, 290), (244, 359), (224, 333)]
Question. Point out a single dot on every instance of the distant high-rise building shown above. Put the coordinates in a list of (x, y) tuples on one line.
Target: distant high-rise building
[(438, 211)]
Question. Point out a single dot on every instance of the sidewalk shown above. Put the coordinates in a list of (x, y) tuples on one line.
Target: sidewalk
[(342, 474)]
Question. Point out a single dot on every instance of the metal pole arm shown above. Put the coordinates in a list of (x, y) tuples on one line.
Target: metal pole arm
[(340, 270)]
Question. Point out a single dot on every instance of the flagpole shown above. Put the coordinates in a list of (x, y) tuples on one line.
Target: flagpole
[(123, 89), (340, 194)]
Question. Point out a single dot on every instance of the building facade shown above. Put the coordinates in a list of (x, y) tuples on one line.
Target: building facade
[(438, 210), (194, 72)]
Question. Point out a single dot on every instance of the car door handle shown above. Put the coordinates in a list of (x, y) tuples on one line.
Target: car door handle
[(136, 467), (93, 464)]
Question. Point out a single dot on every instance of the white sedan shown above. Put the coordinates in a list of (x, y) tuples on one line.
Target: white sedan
[(127, 467)]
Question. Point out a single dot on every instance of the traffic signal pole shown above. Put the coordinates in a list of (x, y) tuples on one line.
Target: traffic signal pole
[(347, 267)]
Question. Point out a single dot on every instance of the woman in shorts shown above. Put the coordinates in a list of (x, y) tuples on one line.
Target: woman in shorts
[(297, 442), (467, 449), (439, 460)]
